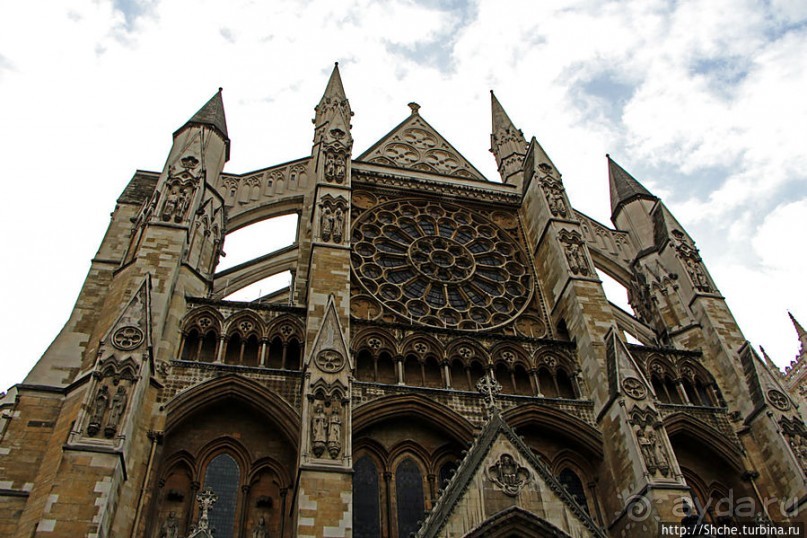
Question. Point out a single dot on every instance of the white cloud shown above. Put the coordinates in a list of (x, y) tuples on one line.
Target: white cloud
[(89, 96)]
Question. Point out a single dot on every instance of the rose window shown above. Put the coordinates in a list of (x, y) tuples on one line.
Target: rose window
[(440, 265)]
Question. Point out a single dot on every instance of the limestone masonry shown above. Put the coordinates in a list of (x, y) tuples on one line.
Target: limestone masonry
[(444, 362)]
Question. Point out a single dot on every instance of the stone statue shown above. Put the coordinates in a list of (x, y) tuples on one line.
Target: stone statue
[(98, 410), (338, 225), (326, 223), (170, 528), (340, 170), (182, 205), (577, 260), (556, 203), (319, 430), (335, 430), (661, 459), (170, 204), (508, 475), (330, 166), (647, 445), (116, 411), (259, 530)]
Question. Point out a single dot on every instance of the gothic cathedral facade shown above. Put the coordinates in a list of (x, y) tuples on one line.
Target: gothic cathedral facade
[(444, 361)]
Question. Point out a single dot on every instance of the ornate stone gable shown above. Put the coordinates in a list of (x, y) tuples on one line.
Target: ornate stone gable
[(416, 145), (500, 467)]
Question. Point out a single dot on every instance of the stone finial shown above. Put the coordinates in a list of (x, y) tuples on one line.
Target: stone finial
[(415, 108), (489, 388)]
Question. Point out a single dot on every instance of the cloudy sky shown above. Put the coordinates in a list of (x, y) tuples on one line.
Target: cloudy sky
[(701, 101)]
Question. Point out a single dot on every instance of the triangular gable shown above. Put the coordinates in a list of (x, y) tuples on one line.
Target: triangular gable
[(132, 329), (329, 352), (624, 374), (762, 383), (500, 472), (416, 145)]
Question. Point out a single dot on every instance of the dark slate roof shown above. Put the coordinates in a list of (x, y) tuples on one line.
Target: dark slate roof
[(140, 188), (624, 187), (212, 113)]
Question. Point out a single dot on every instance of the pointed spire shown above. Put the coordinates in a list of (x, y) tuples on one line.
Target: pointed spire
[(332, 114), (507, 142), (799, 329), (211, 115), (334, 89), (769, 362), (500, 119), (624, 188)]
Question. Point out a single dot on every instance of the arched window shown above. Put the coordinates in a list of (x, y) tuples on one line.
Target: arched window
[(522, 378), (693, 397), (446, 472), (659, 389), (432, 373), (292, 361), (222, 476), (190, 348), (366, 520), (275, 358), (672, 390), (234, 349), (565, 387), (547, 383), (210, 346), (252, 351), (409, 497), (459, 379), (504, 378), (569, 480), (386, 369), (413, 375), (365, 366)]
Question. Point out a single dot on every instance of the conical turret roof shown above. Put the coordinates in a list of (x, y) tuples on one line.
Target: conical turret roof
[(212, 114), (624, 187)]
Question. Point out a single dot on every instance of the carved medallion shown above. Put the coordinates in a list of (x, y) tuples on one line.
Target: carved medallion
[(509, 475), (778, 400), (330, 361), (634, 388), (127, 338)]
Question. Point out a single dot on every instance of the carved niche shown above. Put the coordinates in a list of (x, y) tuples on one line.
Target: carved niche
[(795, 433), (692, 261), (326, 425), (573, 243), (332, 216), (646, 429), (108, 406), (553, 190), (179, 190), (509, 475), (335, 165)]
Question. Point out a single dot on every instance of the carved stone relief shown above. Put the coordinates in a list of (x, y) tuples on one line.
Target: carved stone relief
[(335, 166), (333, 212), (553, 190), (645, 426), (326, 427), (778, 400), (692, 261), (330, 361), (179, 189), (572, 243), (127, 338), (634, 388), (509, 475)]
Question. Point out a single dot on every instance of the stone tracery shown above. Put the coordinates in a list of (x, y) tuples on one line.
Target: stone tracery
[(439, 265)]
